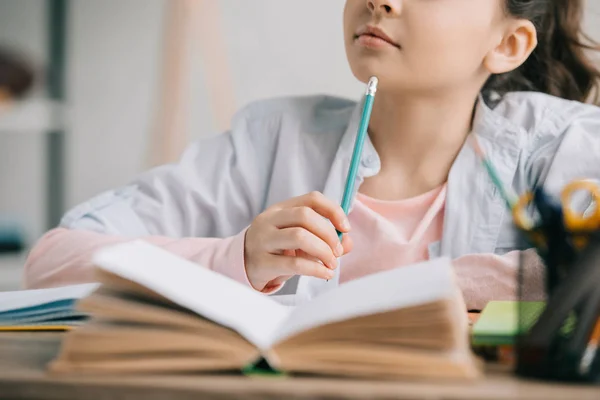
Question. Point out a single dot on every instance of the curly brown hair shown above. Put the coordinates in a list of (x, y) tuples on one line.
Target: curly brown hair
[(561, 64)]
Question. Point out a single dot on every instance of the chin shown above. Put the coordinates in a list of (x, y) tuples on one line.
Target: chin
[(364, 66), (363, 71), (392, 77)]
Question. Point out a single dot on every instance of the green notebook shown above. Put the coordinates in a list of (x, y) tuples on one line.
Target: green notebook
[(502, 321)]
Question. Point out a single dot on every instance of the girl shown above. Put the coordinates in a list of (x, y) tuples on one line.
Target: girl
[(512, 72)]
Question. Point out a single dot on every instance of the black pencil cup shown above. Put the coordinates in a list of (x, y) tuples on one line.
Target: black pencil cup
[(560, 342)]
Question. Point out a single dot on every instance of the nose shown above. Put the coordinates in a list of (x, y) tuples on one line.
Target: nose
[(385, 7)]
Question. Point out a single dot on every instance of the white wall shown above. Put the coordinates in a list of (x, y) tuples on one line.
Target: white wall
[(113, 70), (593, 18), (293, 47), (276, 48), (23, 23)]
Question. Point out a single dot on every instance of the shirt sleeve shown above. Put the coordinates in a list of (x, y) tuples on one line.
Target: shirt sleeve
[(486, 277), (214, 190), (572, 153), (63, 256)]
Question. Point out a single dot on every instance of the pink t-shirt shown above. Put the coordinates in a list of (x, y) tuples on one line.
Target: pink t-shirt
[(389, 234), (385, 234)]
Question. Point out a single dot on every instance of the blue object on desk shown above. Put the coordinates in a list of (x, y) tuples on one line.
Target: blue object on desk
[(43, 309), (11, 237)]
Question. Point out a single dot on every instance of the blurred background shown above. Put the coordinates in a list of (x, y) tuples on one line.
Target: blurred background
[(122, 85)]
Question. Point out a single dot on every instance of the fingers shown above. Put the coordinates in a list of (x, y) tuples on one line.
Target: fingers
[(323, 206), (303, 266), (296, 237), (309, 219), (302, 239), (347, 244)]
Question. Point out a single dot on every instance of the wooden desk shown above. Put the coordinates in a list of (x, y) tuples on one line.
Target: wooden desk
[(23, 356)]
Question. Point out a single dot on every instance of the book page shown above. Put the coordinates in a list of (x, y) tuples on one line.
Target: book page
[(11, 301), (202, 291), (385, 291)]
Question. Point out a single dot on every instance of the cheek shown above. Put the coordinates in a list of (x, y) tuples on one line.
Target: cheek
[(447, 47), (350, 15)]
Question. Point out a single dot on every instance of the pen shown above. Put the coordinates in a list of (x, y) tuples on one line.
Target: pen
[(358, 146)]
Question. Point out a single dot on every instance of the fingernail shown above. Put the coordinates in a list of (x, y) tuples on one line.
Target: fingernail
[(333, 264), (339, 250), (330, 274), (345, 225)]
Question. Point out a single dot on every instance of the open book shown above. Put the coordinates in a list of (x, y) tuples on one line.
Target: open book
[(156, 312)]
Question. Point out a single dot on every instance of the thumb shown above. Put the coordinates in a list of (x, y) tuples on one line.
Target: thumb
[(347, 243)]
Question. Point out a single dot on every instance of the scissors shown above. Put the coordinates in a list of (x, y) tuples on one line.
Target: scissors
[(579, 224), (561, 232), (557, 218)]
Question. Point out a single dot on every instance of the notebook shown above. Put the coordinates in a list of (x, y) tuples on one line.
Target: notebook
[(501, 322), (157, 313), (43, 309)]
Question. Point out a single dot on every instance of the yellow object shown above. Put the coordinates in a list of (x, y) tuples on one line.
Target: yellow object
[(31, 328), (575, 222), (518, 211)]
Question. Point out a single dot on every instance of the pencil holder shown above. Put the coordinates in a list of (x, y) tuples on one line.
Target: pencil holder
[(558, 338)]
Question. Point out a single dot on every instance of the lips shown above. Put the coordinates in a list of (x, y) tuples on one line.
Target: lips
[(373, 36)]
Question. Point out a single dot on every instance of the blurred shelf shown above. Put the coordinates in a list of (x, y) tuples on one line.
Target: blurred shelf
[(31, 116)]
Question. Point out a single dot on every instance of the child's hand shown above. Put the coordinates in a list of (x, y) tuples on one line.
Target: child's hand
[(294, 238)]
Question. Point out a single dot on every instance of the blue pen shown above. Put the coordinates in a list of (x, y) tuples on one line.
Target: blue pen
[(358, 146)]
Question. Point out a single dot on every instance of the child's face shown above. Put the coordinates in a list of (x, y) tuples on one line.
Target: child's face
[(439, 44)]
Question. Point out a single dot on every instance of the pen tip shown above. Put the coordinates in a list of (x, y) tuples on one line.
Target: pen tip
[(372, 86)]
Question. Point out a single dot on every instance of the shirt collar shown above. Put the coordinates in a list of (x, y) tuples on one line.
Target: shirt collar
[(486, 123)]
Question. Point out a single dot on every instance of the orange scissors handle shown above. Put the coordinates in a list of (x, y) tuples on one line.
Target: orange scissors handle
[(586, 220), (519, 212), (524, 222)]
